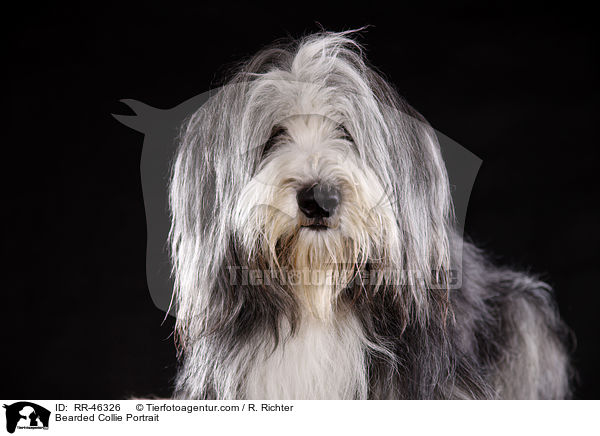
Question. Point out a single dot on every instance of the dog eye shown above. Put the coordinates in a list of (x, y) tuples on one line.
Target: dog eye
[(345, 134), (276, 134)]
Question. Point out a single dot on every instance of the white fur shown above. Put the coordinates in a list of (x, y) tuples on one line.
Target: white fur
[(267, 211), (322, 361)]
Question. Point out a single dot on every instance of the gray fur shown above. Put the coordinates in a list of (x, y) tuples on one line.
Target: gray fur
[(498, 336)]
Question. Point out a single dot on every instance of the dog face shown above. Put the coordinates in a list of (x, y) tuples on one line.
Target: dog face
[(308, 161), (315, 208)]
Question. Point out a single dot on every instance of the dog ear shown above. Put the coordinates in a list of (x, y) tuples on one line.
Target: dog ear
[(407, 154)]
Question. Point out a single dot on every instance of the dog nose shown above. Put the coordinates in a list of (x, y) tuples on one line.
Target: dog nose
[(318, 201)]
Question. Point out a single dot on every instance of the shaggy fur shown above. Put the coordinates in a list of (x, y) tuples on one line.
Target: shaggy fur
[(384, 301)]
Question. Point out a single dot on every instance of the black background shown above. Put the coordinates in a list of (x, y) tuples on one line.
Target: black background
[(516, 85)]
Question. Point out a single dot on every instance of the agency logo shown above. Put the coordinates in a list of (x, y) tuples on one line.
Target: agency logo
[(161, 128), (26, 415)]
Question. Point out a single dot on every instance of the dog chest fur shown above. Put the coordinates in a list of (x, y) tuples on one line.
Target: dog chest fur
[(322, 360)]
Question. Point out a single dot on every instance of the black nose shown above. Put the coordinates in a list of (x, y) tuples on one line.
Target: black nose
[(318, 201)]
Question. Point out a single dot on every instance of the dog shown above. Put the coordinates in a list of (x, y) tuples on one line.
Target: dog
[(315, 254)]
